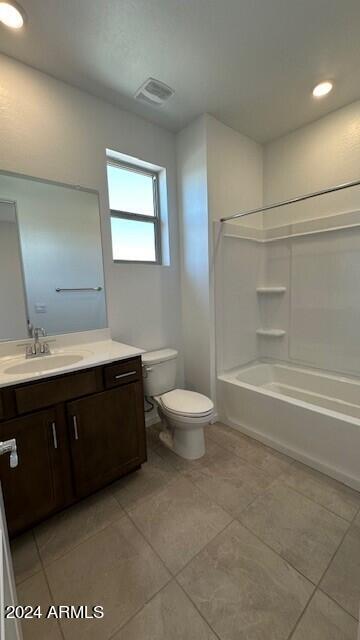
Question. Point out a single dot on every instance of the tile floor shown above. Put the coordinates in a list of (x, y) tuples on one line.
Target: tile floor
[(244, 544)]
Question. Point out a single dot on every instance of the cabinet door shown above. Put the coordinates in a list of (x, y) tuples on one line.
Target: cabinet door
[(107, 435), (30, 488)]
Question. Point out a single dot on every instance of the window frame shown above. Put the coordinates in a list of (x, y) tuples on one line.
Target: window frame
[(155, 220)]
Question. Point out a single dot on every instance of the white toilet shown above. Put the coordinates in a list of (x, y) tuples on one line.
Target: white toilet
[(184, 413)]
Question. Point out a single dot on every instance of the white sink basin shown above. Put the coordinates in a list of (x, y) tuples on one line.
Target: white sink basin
[(46, 363)]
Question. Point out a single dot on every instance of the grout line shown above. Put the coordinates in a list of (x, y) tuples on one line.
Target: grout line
[(274, 452), (198, 610), (315, 584), (304, 495), (337, 604), (319, 504), (266, 544), (140, 501), (278, 479), (150, 545), (35, 571), (302, 614), (184, 473), (53, 601), (174, 576), (284, 473), (140, 608), (126, 515), (203, 548), (243, 460), (338, 547), (83, 540), (317, 588)]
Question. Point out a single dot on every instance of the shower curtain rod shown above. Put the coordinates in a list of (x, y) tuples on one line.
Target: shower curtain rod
[(283, 203)]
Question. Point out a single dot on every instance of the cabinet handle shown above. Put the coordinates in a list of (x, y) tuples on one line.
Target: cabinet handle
[(76, 434), (125, 375), (54, 434)]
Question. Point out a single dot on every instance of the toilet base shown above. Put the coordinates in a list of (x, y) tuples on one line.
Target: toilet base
[(186, 443)]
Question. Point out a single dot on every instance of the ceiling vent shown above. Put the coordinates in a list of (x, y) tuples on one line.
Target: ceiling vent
[(154, 92)]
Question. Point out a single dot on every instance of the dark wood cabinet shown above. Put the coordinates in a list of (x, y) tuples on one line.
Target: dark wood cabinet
[(30, 489), (91, 434), (107, 437)]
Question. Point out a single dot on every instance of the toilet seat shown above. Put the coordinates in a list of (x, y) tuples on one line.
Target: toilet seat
[(188, 421), (186, 404)]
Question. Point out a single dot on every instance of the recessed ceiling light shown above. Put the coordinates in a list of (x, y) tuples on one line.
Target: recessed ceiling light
[(11, 15), (322, 89)]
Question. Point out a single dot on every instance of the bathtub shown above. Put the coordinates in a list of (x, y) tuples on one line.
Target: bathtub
[(311, 415)]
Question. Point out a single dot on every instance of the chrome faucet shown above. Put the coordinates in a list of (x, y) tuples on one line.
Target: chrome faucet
[(37, 348)]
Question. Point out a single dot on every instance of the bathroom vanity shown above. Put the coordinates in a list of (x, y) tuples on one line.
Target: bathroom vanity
[(76, 431)]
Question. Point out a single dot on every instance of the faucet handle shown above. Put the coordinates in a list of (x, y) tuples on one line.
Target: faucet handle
[(39, 331), (29, 350)]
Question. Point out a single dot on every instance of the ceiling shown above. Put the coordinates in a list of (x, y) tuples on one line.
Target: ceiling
[(250, 63)]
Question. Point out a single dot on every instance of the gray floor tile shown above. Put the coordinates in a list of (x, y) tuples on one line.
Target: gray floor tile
[(243, 589), (179, 521), (342, 579), (331, 494), (117, 569), (249, 449), (302, 532), (325, 620), (25, 557), (141, 485), (230, 481), (94, 553), (34, 591), (170, 615), (66, 530)]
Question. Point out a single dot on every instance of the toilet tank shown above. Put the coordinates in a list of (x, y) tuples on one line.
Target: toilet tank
[(159, 368)]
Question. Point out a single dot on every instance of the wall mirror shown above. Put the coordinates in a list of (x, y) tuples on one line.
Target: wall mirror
[(51, 262)]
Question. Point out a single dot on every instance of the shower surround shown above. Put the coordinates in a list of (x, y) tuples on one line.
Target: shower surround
[(288, 337)]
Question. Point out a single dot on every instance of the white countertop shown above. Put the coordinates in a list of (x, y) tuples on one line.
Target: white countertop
[(94, 347)]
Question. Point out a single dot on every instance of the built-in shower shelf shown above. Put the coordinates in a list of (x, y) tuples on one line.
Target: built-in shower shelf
[(265, 290), (271, 333)]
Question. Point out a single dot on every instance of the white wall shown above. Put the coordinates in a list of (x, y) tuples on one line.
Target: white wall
[(219, 173), (235, 183), (235, 171), (193, 207), (51, 130), (319, 155)]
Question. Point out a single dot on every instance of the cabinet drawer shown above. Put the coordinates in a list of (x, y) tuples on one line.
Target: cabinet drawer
[(59, 389), (122, 373)]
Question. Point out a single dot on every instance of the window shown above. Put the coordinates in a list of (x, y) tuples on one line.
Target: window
[(134, 210)]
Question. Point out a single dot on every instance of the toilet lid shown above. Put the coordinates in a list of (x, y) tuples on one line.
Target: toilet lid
[(186, 402)]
